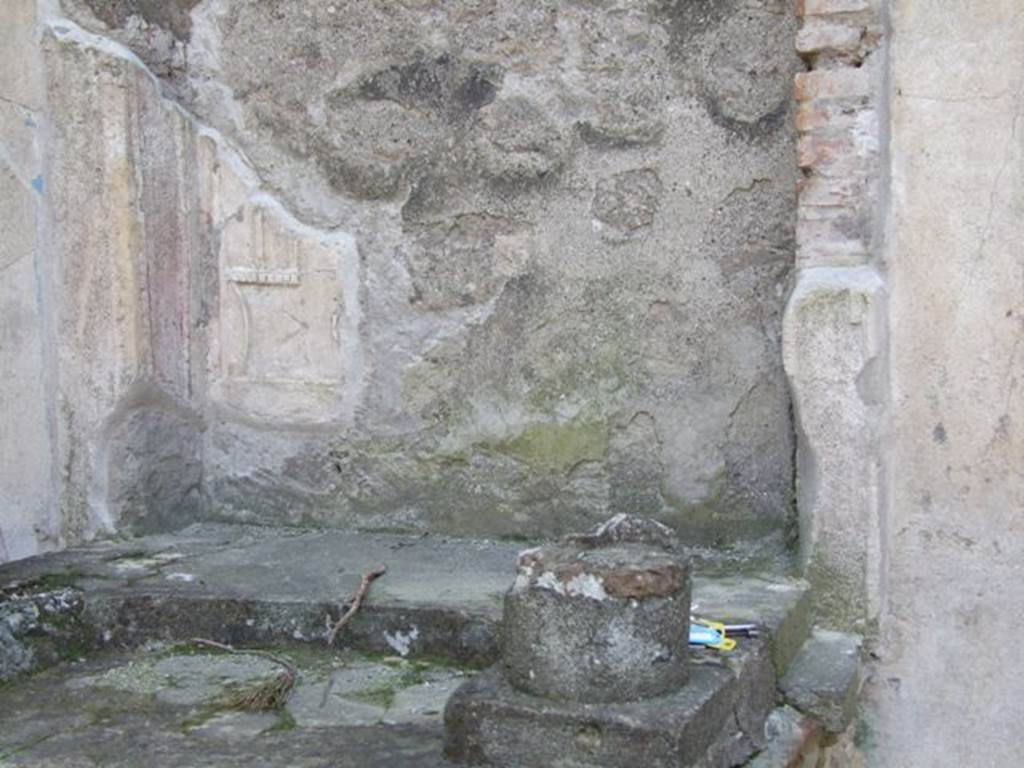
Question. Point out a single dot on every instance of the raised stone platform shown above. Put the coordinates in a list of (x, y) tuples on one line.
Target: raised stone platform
[(440, 598), (247, 584)]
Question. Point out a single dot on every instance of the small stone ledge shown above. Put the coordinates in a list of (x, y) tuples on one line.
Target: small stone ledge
[(824, 679)]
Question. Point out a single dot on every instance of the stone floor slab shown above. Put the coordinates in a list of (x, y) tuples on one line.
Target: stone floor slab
[(162, 707)]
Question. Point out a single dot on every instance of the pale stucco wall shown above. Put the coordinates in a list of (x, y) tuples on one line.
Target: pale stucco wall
[(949, 688), (29, 521)]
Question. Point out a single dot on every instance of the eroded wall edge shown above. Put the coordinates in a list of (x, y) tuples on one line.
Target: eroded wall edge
[(835, 329)]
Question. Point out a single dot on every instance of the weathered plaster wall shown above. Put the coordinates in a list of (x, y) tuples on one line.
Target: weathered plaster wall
[(28, 503), (100, 416), (128, 248), (571, 230), (479, 267), (947, 690)]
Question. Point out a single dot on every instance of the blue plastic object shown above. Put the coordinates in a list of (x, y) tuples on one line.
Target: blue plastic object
[(701, 635)]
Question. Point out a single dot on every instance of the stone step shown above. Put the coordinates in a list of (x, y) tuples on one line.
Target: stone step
[(171, 706), (246, 585), (716, 720)]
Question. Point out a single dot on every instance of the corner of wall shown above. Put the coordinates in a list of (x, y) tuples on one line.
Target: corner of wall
[(835, 340)]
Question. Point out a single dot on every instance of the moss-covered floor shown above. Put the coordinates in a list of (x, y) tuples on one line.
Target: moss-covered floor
[(171, 705)]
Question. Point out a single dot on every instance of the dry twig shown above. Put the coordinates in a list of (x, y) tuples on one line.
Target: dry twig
[(269, 695), (333, 628)]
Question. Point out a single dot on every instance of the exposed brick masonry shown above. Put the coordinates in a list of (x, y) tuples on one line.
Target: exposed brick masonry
[(838, 126)]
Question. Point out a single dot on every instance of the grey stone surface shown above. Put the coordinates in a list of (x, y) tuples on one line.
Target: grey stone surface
[(834, 350), (716, 720), (251, 585), (786, 733), (493, 270), (626, 528), (154, 468), (247, 584), (15, 657), (165, 706), (593, 624), (39, 628), (825, 677)]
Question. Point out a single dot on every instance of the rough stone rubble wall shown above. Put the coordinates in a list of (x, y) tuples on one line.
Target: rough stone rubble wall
[(492, 268)]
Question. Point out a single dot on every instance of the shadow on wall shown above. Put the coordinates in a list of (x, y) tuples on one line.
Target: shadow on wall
[(153, 463)]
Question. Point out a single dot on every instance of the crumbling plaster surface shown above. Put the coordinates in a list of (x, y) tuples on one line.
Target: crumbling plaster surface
[(574, 228), (947, 690), (488, 268)]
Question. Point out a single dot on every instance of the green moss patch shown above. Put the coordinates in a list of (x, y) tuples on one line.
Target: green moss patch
[(556, 446)]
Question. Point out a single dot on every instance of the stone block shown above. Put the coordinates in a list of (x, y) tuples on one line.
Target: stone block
[(809, 117), (715, 720), (824, 37), (834, 350), (830, 7), (824, 679), (816, 36), (832, 191), (815, 149), (788, 733), (832, 84), (38, 628)]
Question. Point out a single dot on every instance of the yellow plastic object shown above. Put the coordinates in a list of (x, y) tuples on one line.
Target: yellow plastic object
[(726, 643)]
